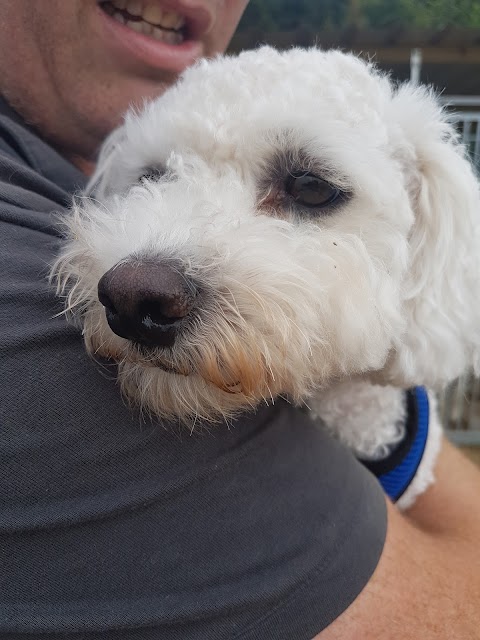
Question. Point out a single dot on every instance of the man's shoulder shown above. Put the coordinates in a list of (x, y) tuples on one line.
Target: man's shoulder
[(35, 181), (32, 174)]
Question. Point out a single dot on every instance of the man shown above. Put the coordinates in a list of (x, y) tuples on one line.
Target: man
[(115, 528)]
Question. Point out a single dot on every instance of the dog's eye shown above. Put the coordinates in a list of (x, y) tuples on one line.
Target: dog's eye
[(310, 191), (151, 173)]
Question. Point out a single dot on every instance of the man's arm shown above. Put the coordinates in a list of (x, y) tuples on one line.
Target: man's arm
[(427, 583)]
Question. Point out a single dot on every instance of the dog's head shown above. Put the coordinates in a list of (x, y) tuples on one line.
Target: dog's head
[(274, 222)]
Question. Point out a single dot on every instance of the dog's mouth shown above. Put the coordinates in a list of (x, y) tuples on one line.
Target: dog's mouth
[(158, 359), (148, 19), (161, 359)]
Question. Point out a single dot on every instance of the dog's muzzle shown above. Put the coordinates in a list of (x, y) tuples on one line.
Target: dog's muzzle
[(147, 302)]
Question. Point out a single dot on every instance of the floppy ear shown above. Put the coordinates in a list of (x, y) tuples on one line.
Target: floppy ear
[(441, 293), (104, 180)]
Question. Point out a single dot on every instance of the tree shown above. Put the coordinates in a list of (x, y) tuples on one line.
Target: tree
[(287, 15)]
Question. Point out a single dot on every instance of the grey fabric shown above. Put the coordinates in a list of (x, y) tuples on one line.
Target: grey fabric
[(112, 527)]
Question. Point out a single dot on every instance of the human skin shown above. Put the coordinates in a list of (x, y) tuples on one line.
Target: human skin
[(62, 70), (427, 583)]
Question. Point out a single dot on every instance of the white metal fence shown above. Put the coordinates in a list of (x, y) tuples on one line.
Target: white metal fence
[(459, 407), (465, 113), (460, 404)]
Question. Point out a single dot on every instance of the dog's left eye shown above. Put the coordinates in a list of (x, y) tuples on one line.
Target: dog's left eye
[(309, 190), (151, 173)]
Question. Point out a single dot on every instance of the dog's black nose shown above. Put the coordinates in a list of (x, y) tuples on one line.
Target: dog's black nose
[(146, 302)]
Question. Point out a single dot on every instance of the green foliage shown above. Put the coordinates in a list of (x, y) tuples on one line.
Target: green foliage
[(435, 14), (288, 15)]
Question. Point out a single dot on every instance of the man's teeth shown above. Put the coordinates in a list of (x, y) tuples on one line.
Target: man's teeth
[(148, 18)]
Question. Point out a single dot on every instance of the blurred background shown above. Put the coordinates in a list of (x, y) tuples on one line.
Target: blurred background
[(434, 42)]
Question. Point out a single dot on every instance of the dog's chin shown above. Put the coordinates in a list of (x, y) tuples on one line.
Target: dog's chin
[(150, 359)]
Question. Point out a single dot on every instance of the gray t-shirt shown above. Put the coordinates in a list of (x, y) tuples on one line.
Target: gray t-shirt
[(116, 528)]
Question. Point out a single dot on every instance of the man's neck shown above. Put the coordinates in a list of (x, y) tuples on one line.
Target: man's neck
[(87, 167)]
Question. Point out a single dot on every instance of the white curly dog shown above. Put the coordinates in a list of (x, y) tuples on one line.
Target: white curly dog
[(285, 224)]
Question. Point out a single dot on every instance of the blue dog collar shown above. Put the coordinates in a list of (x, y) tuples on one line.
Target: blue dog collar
[(396, 472)]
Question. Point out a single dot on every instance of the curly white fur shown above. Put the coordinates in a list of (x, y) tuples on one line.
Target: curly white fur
[(368, 418), (383, 287)]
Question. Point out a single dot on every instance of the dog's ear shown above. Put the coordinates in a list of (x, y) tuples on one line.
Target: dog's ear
[(104, 181), (441, 293)]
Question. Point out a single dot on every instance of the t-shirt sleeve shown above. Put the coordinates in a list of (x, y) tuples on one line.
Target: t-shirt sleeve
[(116, 527)]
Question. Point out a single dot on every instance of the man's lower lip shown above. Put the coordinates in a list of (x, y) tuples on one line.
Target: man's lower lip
[(151, 52)]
